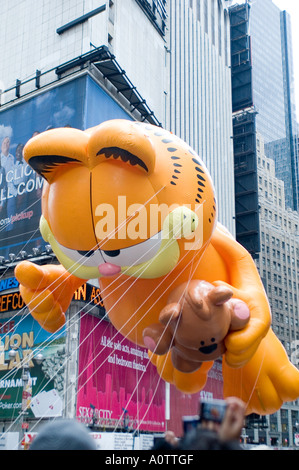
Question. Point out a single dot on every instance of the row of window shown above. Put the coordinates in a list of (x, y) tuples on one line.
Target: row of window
[(281, 221), (282, 331), (278, 255), (156, 12), (281, 318), (271, 186), (277, 266), (279, 279), (276, 290), (280, 243), (283, 420), (212, 21), (287, 295)]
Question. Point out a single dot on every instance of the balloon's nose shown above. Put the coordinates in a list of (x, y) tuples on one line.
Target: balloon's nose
[(108, 269)]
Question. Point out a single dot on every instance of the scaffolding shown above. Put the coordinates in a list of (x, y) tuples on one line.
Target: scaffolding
[(244, 132)]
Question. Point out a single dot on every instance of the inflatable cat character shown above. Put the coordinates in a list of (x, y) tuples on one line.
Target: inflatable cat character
[(133, 205)]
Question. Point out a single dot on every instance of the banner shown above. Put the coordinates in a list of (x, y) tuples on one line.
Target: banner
[(118, 387), (25, 337)]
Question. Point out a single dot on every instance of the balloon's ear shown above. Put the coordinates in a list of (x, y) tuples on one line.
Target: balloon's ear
[(170, 314), (219, 295), (49, 151)]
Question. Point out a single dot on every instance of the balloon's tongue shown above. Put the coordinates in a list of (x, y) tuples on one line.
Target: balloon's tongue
[(107, 269)]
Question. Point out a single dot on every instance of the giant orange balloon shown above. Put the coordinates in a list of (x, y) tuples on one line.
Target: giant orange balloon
[(133, 205)]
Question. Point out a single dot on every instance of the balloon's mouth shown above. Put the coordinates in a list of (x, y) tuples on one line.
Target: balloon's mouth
[(208, 349)]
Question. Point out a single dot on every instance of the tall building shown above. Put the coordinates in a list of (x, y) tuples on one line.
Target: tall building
[(73, 63), (200, 90), (161, 77), (48, 40), (77, 63), (278, 264), (265, 153), (273, 91)]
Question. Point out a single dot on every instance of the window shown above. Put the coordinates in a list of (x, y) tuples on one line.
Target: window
[(156, 12), (198, 9), (213, 22), (225, 37), (219, 29), (206, 15)]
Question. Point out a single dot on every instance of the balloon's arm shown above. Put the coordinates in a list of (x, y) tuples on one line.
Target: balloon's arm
[(185, 382), (246, 284), (47, 291)]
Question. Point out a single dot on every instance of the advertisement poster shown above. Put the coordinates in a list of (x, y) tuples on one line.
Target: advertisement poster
[(44, 387), (80, 103), (118, 387), (20, 186)]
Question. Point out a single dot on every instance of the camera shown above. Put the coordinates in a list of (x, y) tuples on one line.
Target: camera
[(212, 410), (209, 410), (189, 423)]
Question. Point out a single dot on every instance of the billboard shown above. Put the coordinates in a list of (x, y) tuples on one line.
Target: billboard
[(20, 186), (24, 335), (79, 103), (118, 387)]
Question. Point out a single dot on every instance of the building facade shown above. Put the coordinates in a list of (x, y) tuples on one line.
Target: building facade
[(78, 63), (265, 177), (200, 90), (174, 56), (273, 89), (244, 129), (278, 264), (71, 34)]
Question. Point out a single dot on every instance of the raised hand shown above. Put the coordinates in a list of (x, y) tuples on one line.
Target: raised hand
[(47, 291)]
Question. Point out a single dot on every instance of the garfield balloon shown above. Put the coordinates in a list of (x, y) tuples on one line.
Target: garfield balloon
[(133, 205)]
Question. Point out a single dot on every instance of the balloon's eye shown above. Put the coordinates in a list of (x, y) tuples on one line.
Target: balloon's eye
[(112, 253), (86, 254)]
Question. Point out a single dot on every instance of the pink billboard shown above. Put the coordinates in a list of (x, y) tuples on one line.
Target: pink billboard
[(182, 404), (118, 387)]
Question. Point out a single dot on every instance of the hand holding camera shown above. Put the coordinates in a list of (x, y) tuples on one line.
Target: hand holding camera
[(226, 417)]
